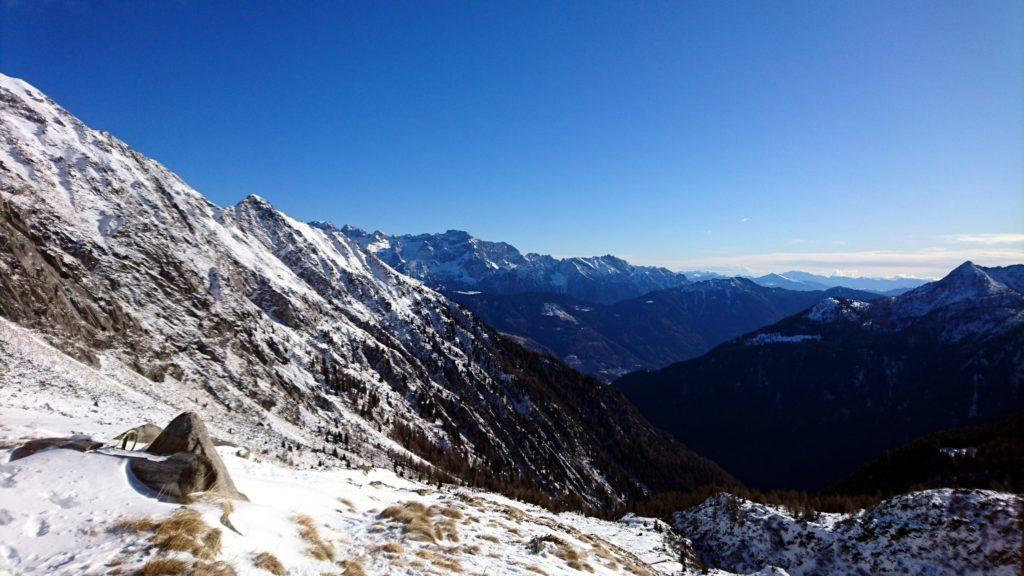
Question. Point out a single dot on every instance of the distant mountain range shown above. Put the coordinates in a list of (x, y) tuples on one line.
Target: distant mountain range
[(803, 402), (805, 281), (456, 261), (602, 315), (651, 331)]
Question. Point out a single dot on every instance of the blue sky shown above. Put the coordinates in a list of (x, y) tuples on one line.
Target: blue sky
[(875, 138)]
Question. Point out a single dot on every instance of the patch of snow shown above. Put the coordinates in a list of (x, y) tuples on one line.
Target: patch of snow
[(776, 338)]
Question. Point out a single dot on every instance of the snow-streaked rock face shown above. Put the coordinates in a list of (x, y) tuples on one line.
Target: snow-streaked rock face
[(455, 260), (295, 332), (936, 532)]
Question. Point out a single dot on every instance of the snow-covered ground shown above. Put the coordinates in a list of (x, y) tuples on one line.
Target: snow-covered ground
[(934, 532), (63, 512)]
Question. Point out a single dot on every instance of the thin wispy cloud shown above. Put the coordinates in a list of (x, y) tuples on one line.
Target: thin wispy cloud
[(932, 262), (985, 239)]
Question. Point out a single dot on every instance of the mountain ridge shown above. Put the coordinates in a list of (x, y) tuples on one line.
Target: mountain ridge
[(646, 332), (298, 333), (843, 381), (455, 260)]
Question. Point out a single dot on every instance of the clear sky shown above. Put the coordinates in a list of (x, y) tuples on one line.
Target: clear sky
[(876, 138)]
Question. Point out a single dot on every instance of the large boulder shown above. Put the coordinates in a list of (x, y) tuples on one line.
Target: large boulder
[(184, 461)]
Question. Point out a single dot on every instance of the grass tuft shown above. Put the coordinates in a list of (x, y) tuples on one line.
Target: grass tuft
[(319, 548), (391, 548), (419, 523), (270, 563), (183, 531), (212, 569), (353, 568), (164, 567)]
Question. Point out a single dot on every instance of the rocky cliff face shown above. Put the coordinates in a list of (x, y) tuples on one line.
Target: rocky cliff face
[(294, 329)]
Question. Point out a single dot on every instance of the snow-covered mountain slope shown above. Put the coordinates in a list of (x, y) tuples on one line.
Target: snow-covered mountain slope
[(455, 260), (68, 513), (936, 532), (971, 300), (844, 381), (289, 328)]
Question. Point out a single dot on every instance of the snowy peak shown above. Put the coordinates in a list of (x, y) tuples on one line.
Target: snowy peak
[(968, 286), (832, 309), (781, 281), (970, 300), (455, 260)]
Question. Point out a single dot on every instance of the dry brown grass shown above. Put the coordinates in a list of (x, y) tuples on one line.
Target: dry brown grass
[(318, 547), (352, 568), (164, 567), (470, 499), (532, 568), (420, 523), (136, 525), (448, 512), (183, 531), (447, 563), (490, 538), (212, 569), (348, 503), (511, 513), (447, 529), (390, 548), (573, 557), (270, 563)]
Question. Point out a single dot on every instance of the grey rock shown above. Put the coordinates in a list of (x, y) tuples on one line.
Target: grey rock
[(144, 434), (40, 444)]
